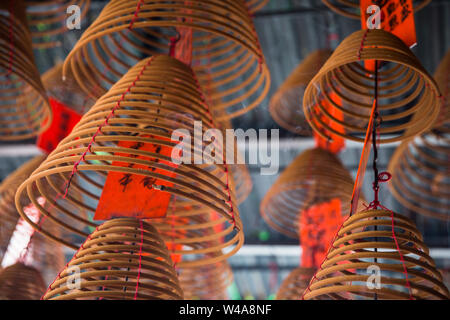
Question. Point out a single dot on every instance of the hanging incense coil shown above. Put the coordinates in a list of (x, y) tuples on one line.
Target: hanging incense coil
[(162, 96), (285, 105), (441, 76), (316, 176), (208, 282), (365, 243), (225, 48), (20, 282), (8, 212), (255, 5), (48, 20), (408, 98), (295, 284), (24, 109), (66, 90), (351, 8), (123, 259), (421, 174)]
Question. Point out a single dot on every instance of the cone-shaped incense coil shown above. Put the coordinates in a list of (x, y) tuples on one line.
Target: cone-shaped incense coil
[(123, 259), (421, 174), (48, 20), (408, 98), (8, 212), (24, 109), (208, 282), (351, 9), (364, 262), (67, 90), (197, 234), (285, 105), (295, 284), (316, 176), (156, 97), (20, 282), (442, 78), (225, 48), (255, 5)]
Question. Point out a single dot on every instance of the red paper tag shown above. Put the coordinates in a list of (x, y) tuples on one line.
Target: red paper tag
[(336, 142), (318, 225), (64, 119), (397, 17), (133, 195)]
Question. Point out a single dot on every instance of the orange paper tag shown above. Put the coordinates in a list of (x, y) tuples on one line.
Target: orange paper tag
[(132, 195), (336, 142), (318, 225)]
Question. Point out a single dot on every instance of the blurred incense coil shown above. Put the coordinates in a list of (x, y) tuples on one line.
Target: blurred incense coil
[(441, 76), (285, 105), (142, 109), (8, 212), (316, 176), (24, 109), (48, 20), (421, 173), (225, 49), (123, 259), (208, 282), (408, 98), (347, 272), (195, 235), (20, 282), (295, 284), (255, 5), (351, 8), (66, 90)]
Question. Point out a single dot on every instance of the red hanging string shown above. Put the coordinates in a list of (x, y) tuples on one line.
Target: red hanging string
[(140, 259)]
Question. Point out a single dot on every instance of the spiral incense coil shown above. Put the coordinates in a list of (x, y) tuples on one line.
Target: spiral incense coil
[(156, 97), (24, 109), (48, 20), (8, 212), (208, 282), (196, 234), (351, 9), (295, 284), (365, 243), (284, 105), (123, 259), (225, 48), (255, 5), (67, 90), (316, 176), (421, 179), (442, 78), (408, 98), (20, 282)]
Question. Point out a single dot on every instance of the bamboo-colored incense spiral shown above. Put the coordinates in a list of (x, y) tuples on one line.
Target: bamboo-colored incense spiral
[(314, 177), (123, 259), (365, 263), (442, 78), (408, 97), (295, 284), (21, 282), (351, 8), (255, 5), (421, 173), (48, 20), (153, 99), (24, 109), (285, 105), (208, 282), (225, 49)]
